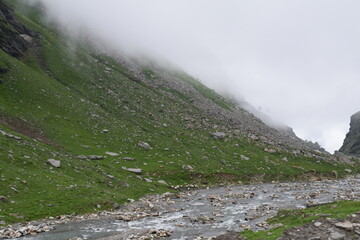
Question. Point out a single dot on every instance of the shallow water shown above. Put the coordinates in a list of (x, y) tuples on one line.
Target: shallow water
[(211, 212)]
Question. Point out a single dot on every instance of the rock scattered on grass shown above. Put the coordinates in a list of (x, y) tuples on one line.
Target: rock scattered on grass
[(270, 150), (219, 135), (95, 157), (162, 182), (145, 145), (244, 157), (53, 162), (148, 180), (10, 135), (133, 170), (112, 154)]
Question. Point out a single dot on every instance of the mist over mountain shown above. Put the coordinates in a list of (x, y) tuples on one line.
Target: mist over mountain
[(297, 60)]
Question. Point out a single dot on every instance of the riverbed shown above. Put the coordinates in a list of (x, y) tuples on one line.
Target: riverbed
[(204, 213)]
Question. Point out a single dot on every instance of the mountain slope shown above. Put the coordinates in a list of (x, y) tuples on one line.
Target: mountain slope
[(65, 100), (351, 144)]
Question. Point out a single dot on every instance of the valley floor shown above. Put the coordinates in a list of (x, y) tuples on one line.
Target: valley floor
[(207, 213)]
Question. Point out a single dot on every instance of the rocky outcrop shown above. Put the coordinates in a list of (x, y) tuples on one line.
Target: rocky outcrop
[(351, 144), (15, 38)]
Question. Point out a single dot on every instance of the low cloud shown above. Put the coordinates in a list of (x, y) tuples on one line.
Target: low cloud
[(297, 59)]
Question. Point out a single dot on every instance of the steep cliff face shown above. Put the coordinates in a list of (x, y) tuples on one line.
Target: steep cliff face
[(352, 141), (15, 38)]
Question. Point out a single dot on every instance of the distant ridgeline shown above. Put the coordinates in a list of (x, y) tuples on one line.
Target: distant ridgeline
[(351, 144)]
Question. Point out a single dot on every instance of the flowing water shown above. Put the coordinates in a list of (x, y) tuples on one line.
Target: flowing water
[(209, 212)]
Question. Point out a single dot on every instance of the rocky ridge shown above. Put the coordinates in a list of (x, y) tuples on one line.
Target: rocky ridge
[(351, 144)]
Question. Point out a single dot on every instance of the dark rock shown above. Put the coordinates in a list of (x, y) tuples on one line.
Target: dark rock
[(129, 159), (116, 206), (351, 144), (3, 70), (3, 199), (14, 37)]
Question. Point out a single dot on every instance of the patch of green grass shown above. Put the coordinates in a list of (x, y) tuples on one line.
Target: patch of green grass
[(295, 218)]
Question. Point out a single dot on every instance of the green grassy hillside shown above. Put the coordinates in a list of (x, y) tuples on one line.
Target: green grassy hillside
[(64, 99)]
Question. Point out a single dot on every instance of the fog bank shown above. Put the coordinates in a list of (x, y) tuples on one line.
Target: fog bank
[(297, 61)]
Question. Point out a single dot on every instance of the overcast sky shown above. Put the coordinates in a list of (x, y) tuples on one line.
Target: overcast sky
[(298, 60)]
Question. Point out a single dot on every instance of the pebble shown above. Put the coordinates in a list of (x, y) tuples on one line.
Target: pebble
[(317, 224)]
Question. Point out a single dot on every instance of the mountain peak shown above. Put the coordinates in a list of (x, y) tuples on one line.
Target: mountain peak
[(352, 141)]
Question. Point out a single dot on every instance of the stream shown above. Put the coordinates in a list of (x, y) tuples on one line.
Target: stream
[(204, 213)]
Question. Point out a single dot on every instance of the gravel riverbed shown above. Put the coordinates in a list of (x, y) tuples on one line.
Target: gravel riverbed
[(195, 214)]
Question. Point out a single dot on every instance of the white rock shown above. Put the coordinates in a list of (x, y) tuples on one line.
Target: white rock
[(112, 154), (219, 135), (145, 145), (162, 182), (244, 157), (317, 224), (345, 225), (54, 163), (134, 170)]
